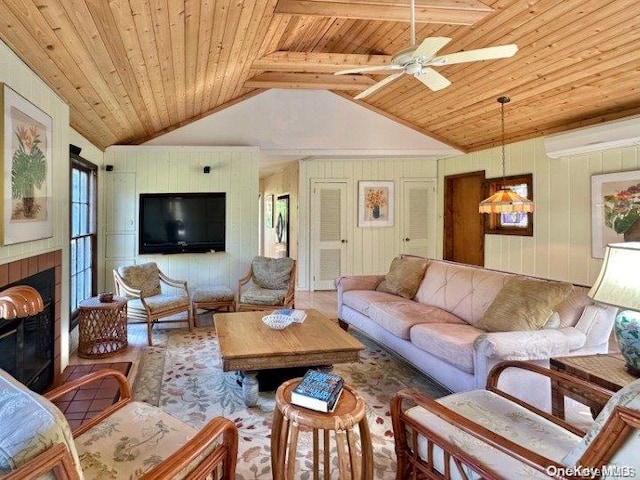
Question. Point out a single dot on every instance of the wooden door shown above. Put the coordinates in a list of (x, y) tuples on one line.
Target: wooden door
[(328, 230), (463, 224), (419, 217)]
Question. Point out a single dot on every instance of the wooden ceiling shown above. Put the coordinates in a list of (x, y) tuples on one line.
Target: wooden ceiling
[(132, 70)]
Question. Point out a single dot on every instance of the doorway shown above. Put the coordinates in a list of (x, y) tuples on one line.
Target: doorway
[(463, 224), (282, 226)]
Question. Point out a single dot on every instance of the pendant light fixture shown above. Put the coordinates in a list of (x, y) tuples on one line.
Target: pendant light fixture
[(505, 200)]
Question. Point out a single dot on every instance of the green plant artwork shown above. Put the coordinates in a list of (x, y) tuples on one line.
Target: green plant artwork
[(28, 172)]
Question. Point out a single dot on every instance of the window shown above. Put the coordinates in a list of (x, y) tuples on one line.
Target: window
[(83, 233), (516, 223)]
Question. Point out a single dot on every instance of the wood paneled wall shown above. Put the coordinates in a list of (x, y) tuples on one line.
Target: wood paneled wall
[(370, 250), (147, 169), (21, 79), (560, 248)]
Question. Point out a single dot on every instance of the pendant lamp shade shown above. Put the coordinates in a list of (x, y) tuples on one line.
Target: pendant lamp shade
[(505, 200)]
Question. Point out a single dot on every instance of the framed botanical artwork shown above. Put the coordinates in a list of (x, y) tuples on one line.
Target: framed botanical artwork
[(27, 161), (268, 211), (510, 223), (375, 204), (615, 210)]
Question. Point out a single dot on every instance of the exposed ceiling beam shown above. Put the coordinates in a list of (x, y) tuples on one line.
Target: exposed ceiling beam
[(283, 61), (453, 12), (309, 80)]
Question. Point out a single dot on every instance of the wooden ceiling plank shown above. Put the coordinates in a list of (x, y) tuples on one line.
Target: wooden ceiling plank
[(316, 61), (308, 80), (191, 47), (176, 16), (108, 31), (207, 39), (340, 28), (314, 36), (439, 12)]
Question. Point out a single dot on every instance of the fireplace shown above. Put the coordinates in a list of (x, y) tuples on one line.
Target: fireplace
[(30, 347)]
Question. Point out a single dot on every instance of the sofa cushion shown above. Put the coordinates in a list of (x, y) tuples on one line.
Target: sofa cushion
[(463, 290), (452, 343), (404, 276), (272, 273), (572, 306), (361, 300), (523, 304), (399, 317)]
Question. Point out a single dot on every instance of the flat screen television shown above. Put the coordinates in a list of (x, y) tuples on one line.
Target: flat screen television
[(182, 223)]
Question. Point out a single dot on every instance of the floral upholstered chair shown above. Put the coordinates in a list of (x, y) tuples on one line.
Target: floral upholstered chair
[(270, 283), (142, 286), (126, 440), (491, 435)]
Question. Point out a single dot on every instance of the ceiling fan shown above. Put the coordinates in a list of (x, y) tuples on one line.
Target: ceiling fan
[(417, 60)]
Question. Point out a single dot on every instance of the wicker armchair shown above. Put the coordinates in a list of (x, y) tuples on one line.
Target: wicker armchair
[(141, 285), (491, 435), (126, 440), (270, 283)]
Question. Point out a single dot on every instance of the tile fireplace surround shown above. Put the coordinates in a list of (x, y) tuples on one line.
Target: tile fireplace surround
[(20, 269)]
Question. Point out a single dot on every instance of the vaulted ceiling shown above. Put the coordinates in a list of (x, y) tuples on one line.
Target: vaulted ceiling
[(133, 70)]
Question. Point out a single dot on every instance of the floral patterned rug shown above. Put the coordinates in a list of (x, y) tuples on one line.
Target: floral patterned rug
[(182, 373)]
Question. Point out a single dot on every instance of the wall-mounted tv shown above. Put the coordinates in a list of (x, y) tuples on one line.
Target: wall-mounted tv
[(182, 222)]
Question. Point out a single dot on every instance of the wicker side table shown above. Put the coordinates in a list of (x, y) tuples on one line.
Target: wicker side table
[(102, 327), (288, 420)]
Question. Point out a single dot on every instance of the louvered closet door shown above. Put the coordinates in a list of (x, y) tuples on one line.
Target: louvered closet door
[(419, 217), (328, 229)]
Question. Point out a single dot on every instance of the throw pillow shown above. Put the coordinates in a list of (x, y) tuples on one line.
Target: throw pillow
[(523, 304), (272, 273), (404, 276)]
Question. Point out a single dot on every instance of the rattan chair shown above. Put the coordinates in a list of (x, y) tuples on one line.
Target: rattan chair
[(270, 283), (490, 434), (142, 286)]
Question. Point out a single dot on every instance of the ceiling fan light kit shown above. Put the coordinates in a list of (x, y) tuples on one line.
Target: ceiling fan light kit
[(505, 200)]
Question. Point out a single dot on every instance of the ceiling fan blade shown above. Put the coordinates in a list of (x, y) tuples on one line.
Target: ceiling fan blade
[(373, 68), (377, 86), (489, 53), (430, 46), (432, 79)]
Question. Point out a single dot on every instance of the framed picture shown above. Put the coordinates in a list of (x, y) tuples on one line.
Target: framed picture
[(27, 160), (615, 210), (512, 223), (375, 205), (268, 211)]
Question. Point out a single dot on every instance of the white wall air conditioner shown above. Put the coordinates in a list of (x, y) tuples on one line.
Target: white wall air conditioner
[(615, 134)]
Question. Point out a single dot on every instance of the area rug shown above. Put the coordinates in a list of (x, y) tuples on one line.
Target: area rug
[(182, 373)]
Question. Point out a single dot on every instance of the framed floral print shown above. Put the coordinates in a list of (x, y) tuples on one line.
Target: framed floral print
[(615, 210), (27, 159), (375, 205)]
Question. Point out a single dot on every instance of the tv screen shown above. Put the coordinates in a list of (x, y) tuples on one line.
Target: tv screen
[(182, 222)]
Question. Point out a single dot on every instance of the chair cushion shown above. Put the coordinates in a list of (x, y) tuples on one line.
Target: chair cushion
[(145, 277), (29, 424), (399, 317), (262, 296), (523, 304), (131, 441), (272, 273), (404, 276), (161, 303), (212, 293), (503, 417), (452, 343)]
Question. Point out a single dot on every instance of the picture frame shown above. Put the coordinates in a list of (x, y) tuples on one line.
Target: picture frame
[(615, 209), (27, 160), (375, 204), (516, 223), (268, 211)]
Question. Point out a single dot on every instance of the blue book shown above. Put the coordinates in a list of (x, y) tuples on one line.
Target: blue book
[(318, 391)]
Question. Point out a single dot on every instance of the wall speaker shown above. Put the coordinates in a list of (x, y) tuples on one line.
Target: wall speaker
[(109, 168), (74, 150), (207, 169)]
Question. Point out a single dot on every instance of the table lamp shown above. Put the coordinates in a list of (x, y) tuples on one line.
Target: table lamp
[(618, 284)]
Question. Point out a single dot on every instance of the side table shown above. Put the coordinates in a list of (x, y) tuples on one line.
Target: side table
[(289, 419), (102, 327), (606, 370)]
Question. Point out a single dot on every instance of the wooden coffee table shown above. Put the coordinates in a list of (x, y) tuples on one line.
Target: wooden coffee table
[(248, 345)]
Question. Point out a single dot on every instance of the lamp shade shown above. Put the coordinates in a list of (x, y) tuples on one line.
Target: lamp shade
[(505, 200), (618, 283)]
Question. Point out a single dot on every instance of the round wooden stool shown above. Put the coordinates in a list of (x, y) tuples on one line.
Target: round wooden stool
[(349, 412)]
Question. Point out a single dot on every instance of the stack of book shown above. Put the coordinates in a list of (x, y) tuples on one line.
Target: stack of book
[(297, 315), (318, 391)]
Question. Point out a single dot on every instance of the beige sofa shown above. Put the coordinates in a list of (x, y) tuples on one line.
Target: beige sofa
[(440, 329)]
